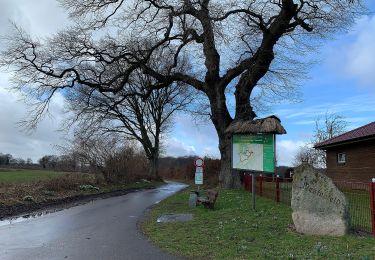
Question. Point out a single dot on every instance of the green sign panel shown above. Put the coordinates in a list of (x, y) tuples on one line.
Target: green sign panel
[(254, 152)]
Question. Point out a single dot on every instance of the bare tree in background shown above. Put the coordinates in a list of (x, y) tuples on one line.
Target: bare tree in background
[(330, 126), (306, 155), (131, 117), (107, 155), (237, 49)]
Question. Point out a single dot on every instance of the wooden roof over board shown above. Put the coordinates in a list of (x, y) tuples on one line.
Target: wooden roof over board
[(271, 124)]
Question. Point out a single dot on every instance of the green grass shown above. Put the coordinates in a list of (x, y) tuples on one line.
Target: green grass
[(24, 176), (234, 231)]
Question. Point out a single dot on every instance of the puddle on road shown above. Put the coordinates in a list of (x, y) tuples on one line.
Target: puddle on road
[(175, 218), (15, 220)]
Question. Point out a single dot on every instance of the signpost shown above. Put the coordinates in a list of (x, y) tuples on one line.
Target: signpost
[(199, 163), (255, 153)]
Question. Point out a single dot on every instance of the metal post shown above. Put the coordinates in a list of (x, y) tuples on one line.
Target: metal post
[(253, 188), (277, 188), (246, 182), (261, 185), (372, 204)]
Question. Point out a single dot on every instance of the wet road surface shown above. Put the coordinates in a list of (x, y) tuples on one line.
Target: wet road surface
[(101, 229)]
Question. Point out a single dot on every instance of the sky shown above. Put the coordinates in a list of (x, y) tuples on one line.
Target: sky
[(342, 82)]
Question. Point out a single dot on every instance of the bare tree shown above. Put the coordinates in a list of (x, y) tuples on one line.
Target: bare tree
[(240, 47), (306, 155), (330, 126), (134, 118), (115, 160)]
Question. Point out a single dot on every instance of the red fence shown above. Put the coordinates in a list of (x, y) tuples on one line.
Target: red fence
[(372, 201), (360, 196)]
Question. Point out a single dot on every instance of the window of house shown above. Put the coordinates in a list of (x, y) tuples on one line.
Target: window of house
[(341, 158)]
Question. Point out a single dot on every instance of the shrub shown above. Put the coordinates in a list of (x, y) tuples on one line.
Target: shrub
[(126, 166), (70, 181)]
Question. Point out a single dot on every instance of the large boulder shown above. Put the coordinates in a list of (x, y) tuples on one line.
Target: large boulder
[(319, 208)]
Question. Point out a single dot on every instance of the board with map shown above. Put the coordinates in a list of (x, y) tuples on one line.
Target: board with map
[(253, 152)]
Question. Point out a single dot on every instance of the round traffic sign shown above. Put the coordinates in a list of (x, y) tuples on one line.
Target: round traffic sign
[(198, 162)]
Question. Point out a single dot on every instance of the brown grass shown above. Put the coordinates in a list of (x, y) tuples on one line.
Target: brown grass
[(67, 182), (62, 186)]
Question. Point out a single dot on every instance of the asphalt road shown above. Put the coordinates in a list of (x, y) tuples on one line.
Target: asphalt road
[(102, 229)]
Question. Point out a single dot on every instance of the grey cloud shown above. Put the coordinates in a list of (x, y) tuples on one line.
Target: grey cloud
[(39, 18), (19, 143), (175, 147), (355, 58)]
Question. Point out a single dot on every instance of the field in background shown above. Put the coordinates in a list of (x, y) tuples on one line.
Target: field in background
[(25, 186), (23, 176)]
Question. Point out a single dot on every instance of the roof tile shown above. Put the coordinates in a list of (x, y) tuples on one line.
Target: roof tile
[(361, 132)]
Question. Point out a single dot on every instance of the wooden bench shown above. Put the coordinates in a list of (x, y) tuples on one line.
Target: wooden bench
[(209, 201)]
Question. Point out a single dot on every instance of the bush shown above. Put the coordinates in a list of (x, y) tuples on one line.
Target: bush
[(127, 166), (68, 182)]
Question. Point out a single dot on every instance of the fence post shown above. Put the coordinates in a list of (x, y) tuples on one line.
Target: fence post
[(277, 188), (372, 204), (251, 183), (261, 185), (244, 181), (247, 182)]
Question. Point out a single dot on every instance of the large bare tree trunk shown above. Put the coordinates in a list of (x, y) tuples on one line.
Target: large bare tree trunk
[(221, 120), (154, 169), (227, 177)]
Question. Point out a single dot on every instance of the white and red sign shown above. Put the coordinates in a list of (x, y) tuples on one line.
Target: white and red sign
[(199, 163)]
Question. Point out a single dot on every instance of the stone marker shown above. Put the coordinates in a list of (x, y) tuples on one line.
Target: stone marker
[(175, 218), (193, 199), (319, 208)]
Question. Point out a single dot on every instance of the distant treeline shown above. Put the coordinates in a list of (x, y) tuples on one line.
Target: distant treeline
[(63, 162), (9, 160), (169, 167)]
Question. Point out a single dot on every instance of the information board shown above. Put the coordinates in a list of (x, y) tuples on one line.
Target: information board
[(199, 176), (253, 152)]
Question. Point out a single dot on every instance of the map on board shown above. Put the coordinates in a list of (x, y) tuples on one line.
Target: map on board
[(253, 152)]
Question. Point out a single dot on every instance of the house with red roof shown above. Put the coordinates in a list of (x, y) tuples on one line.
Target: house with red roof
[(351, 156)]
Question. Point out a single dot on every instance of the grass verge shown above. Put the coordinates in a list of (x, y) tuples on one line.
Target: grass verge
[(234, 231)]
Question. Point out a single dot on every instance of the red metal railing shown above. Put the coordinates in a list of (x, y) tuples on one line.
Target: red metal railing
[(372, 205)]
